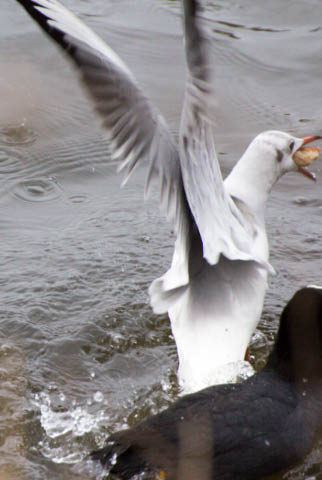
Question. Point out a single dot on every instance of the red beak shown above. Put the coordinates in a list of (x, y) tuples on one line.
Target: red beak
[(310, 139)]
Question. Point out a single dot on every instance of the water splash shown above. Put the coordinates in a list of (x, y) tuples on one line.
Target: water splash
[(64, 423)]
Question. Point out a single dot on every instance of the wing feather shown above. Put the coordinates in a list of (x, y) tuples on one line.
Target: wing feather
[(222, 227), (136, 130)]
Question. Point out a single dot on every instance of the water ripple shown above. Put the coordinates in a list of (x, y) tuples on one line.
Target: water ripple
[(304, 202), (35, 189), (10, 161), (17, 135), (78, 198), (252, 28)]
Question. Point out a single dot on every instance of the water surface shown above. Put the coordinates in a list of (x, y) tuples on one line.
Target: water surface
[(81, 353)]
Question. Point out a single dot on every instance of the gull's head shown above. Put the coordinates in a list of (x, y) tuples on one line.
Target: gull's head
[(284, 153), (267, 158)]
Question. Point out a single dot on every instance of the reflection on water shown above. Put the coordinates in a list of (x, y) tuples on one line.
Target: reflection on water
[(82, 355)]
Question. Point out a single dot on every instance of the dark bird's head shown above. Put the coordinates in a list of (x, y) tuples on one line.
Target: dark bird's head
[(297, 353)]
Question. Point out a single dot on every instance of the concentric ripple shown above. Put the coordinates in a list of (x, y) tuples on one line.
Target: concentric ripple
[(17, 135), (10, 161), (35, 189)]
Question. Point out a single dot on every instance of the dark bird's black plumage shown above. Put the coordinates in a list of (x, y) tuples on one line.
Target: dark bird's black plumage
[(237, 431)]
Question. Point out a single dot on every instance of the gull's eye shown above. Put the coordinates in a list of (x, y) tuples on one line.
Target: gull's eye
[(291, 146)]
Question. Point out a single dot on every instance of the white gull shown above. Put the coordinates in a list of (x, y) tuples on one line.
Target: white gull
[(215, 287)]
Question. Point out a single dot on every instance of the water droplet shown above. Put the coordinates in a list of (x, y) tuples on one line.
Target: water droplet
[(62, 397), (146, 238), (5, 349), (98, 397), (165, 385)]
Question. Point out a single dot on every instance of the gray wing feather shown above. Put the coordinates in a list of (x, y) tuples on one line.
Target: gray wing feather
[(221, 225), (136, 130)]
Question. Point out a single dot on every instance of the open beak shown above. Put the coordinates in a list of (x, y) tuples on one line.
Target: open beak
[(304, 156)]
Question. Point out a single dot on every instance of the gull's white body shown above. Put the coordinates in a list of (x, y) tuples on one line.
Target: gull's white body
[(215, 314), (212, 330), (215, 287)]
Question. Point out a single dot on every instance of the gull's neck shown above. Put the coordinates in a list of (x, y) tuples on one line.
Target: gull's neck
[(252, 179)]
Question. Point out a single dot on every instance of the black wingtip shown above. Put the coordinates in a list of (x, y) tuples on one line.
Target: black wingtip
[(32, 8), (43, 20)]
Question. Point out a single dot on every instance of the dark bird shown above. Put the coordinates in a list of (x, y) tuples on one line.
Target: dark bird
[(241, 431)]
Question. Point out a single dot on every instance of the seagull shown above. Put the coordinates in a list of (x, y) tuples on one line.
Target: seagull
[(215, 286), (242, 431)]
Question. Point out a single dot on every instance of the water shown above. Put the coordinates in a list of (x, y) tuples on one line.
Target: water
[(81, 354)]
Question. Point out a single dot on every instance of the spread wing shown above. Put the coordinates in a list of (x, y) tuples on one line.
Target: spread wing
[(221, 225), (136, 130), (189, 179)]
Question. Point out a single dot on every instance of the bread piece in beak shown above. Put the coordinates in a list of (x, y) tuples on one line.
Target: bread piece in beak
[(304, 156)]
